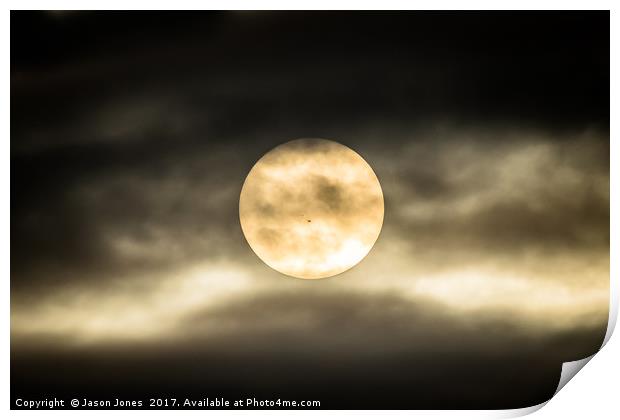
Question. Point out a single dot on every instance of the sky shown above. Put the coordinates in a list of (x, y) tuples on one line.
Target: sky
[(132, 135)]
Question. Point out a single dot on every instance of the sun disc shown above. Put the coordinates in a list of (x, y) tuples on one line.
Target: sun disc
[(311, 208)]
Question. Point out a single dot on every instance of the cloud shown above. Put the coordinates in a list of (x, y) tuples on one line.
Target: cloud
[(519, 227), (333, 346)]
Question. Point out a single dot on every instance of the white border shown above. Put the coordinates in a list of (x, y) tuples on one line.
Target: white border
[(597, 394), (310, 5)]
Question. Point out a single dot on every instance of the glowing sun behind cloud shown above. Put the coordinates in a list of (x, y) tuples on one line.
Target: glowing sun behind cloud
[(311, 208)]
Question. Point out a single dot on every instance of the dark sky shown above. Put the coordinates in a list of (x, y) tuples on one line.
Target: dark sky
[(132, 133)]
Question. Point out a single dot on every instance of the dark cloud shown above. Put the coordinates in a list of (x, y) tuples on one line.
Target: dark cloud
[(330, 194), (347, 350), (505, 191)]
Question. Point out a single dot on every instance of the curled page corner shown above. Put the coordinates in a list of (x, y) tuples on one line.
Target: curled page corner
[(520, 412), (569, 370)]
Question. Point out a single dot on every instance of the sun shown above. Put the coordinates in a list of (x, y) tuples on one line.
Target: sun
[(311, 208)]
